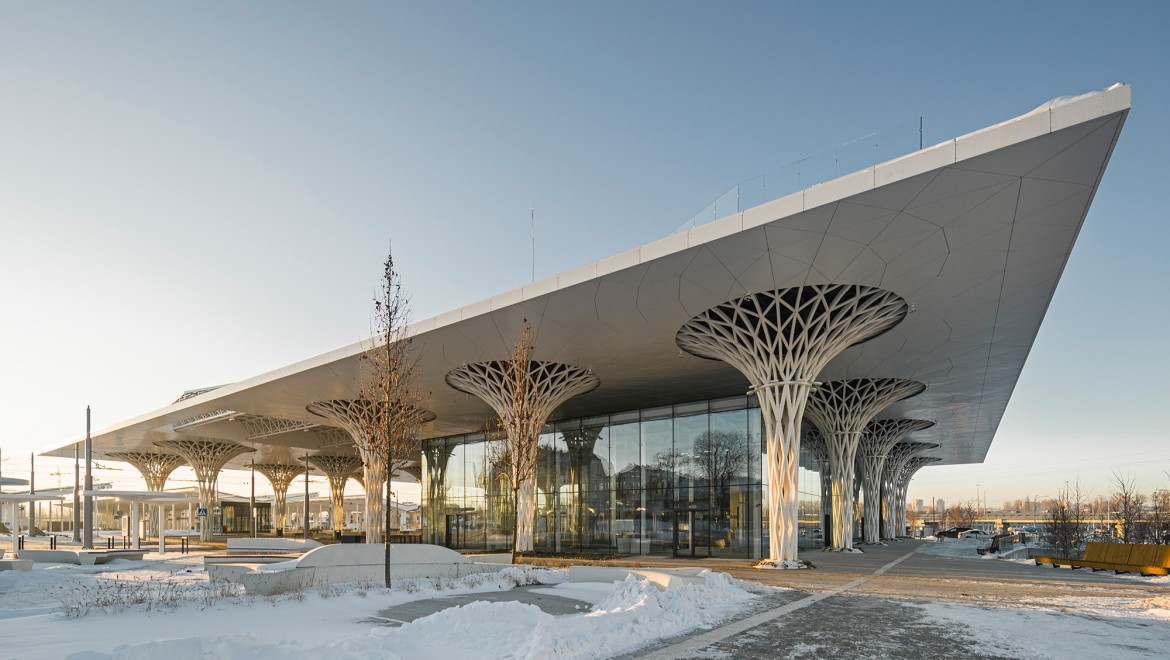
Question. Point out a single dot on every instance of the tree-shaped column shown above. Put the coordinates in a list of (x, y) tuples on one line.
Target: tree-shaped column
[(523, 411), (360, 419), (913, 465), (280, 475), (437, 454), (155, 467), (896, 461), (206, 457), (580, 443), (841, 409), (780, 340), (879, 438), (813, 441), (339, 469)]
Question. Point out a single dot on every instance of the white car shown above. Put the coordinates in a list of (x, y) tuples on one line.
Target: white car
[(978, 534)]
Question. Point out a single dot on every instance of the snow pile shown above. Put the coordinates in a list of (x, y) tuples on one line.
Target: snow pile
[(635, 614)]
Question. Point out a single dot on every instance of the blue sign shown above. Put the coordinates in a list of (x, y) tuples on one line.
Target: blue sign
[(202, 512)]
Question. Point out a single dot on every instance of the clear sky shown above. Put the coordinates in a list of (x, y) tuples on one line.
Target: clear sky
[(191, 194)]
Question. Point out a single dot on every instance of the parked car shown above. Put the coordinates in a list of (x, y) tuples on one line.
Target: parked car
[(978, 534), (953, 533)]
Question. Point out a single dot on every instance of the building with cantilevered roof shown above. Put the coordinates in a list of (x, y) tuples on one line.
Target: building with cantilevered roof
[(719, 391)]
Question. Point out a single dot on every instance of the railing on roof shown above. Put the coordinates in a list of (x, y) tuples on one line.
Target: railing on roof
[(850, 157)]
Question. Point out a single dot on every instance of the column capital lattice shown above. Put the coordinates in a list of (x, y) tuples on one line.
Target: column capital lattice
[(881, 435), (553, 383), (154, 466), (789, 335), (846, 406)]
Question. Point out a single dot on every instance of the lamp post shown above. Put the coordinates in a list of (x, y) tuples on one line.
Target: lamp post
[(1035, 506)]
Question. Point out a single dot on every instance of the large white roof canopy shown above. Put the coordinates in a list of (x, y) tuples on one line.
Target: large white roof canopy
[(974, 232)]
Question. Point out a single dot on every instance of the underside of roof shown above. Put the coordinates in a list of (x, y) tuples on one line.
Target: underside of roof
[(973, 232)]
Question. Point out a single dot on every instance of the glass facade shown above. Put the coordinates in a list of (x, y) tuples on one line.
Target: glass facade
[(684, 480)]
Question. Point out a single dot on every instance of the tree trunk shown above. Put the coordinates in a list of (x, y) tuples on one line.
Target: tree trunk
[(515, 521), (389, 480)]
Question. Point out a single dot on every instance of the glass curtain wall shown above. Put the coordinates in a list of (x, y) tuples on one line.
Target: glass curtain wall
[(685, 480)]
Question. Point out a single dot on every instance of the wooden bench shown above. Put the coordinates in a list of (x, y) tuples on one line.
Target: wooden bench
[(1144, 558)]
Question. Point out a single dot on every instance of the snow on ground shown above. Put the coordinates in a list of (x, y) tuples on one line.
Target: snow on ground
[(1064, 628), (956, 548), (165, 607), (589, 592)]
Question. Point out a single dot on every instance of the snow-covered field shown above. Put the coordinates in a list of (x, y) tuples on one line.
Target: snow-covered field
[(1065, 628), (165, 608)]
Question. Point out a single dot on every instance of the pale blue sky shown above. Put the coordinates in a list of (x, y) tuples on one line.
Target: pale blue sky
[(194, 194)]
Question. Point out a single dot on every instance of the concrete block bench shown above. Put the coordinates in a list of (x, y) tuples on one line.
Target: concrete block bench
[(663, 578), (16, 565), (80, 557), (270, 546), (91, 557), (360, 562), (51, 556)]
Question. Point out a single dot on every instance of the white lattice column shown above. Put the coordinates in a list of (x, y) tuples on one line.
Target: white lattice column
[(915, 464), (841, 409), (206, 457), (892, 515), (550, 384), (155, 467), (438, 454), (813, 441), (580, 443), (880, 436), (780, 340), (338, 469), (358, 418), (281, 476)]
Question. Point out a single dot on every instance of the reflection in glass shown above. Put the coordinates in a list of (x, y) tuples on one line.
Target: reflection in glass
[(669, 480)]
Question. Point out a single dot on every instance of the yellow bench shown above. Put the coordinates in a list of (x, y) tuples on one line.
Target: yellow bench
[(1144, 558)]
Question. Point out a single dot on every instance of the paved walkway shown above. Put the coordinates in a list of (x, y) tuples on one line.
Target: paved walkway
[(861, 606), (407, 612)]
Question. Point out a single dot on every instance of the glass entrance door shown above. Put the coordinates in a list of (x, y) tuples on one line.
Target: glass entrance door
[(692, 533)]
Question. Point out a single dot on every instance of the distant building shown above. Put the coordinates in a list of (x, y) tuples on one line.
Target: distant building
[(940, 506), (919, 506)]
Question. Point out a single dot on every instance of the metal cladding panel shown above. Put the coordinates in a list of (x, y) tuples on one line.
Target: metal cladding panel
[(974, 233)]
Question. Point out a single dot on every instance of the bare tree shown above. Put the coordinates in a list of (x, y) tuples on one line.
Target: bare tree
[(513, 441), (912, 517), (962, 514), (389, 384), (1065, 530), (1160, 516), (1128, 505)]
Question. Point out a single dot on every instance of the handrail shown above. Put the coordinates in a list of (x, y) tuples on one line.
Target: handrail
[(827, 165)]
